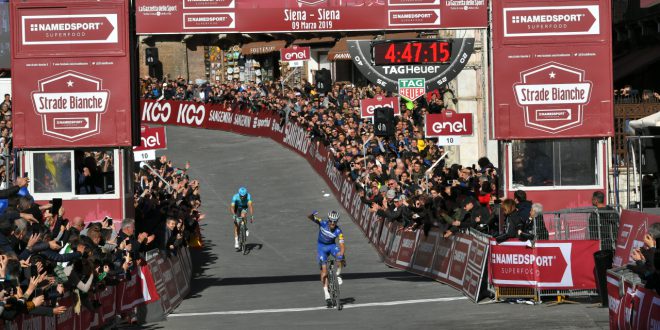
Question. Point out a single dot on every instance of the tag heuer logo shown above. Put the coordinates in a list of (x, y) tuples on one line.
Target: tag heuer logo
[(413, 88)]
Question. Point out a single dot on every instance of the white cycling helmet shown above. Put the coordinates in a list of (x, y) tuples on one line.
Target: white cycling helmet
[(333, 216)]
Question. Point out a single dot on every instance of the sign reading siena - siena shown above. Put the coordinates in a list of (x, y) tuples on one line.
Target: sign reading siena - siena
[(74, 69)]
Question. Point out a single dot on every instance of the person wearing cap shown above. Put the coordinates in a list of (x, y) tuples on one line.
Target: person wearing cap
[(400, 213)]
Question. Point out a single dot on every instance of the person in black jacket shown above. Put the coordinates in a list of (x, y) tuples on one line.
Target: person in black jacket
[(514, 223)]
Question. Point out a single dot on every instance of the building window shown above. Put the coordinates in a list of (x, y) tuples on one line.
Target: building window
[(562, 162), (73, 174), (52, 172)]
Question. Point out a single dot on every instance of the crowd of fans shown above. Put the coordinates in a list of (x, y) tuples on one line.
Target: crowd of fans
[(44, 254), (628, 94)]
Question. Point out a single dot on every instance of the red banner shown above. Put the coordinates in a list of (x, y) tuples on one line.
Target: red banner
[(407, 249), (170, 17), (448, 123), (552, 69), (152, 138), (547, 265), (631, 307), (74, 65), (295, 53), (369, 106), (633, 226), (423, 261)]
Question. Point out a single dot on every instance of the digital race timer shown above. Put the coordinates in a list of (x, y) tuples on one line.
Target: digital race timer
[(404, 52)]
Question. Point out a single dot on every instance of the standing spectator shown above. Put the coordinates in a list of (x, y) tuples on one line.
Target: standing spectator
[(603, 222)]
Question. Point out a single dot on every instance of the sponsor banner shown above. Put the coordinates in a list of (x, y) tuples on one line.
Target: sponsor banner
[(458, 260), (152, 138), (160, 16), (295, 53), (551, 21), (448, 123), (547, 59), (548, 265), (74, 67), (383, 239), (633, 226), (375, 229), (424, 252), (407, 249), (631, 307), (369, 106)]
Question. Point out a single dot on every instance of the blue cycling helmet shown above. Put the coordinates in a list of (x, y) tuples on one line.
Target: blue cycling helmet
[(333, 216), (23, 192), (242, 191)]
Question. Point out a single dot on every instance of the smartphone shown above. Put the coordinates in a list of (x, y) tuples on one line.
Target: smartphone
[(25, 174), (33, 270), (57, 204)]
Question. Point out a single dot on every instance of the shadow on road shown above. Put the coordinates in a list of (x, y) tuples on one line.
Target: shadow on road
[(396, 275)]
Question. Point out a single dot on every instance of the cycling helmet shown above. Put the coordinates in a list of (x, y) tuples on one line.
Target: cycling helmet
[(333, 216), (242, 191)]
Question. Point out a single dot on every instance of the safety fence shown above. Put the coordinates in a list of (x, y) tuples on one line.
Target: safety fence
[(631, 305), (153, 291), (581, 231)]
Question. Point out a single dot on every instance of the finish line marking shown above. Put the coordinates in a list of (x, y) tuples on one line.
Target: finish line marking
[(347, 306)]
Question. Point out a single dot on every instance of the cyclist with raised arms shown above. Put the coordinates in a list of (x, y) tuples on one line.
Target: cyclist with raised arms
[(240, 202), (329, 234)]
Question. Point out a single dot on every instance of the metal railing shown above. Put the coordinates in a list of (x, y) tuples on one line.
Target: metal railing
[(579, 224)]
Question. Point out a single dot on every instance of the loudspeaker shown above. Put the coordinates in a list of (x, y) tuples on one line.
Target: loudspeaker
[(151, 56), (650, 150), (384, 121), (323, 81)]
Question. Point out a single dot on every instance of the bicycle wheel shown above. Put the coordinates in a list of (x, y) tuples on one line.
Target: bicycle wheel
[(242, 239), (331, 282), (336, 295)]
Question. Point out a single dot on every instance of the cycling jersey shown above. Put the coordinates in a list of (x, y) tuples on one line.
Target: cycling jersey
[(240, 204), (328, 236)]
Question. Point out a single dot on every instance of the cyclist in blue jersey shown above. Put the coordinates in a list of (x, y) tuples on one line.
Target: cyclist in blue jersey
[(240, 202), (329, 235)]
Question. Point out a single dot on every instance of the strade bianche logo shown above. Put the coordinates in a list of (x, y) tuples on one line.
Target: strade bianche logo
[(553, 97), (310, 2), (70, 105)]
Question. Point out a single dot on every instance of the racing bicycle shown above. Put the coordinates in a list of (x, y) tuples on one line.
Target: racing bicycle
[(333, 284), (242, 234)]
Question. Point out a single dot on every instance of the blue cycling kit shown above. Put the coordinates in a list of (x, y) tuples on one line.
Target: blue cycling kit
[(240, 204), (327, 241)]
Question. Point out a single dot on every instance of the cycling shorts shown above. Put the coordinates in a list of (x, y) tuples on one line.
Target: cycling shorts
[(324, 250)]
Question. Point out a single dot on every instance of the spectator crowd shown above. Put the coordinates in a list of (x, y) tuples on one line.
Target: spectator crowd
[(45, 255)]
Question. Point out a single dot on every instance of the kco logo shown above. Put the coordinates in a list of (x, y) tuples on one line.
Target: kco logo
[(156, 112), (191, 114)]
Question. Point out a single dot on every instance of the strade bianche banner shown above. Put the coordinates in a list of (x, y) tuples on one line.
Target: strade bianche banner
[(74, 68), (218, 16), (552, 69)]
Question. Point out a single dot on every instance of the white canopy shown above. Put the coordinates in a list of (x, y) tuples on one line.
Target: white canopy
[(648, 121)]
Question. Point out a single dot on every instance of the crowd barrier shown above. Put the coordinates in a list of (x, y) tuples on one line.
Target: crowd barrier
[(632, 228), (459, 261), (155, 289), (631, 306)]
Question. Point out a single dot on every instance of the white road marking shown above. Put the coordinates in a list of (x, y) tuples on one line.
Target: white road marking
[(306, 309)]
